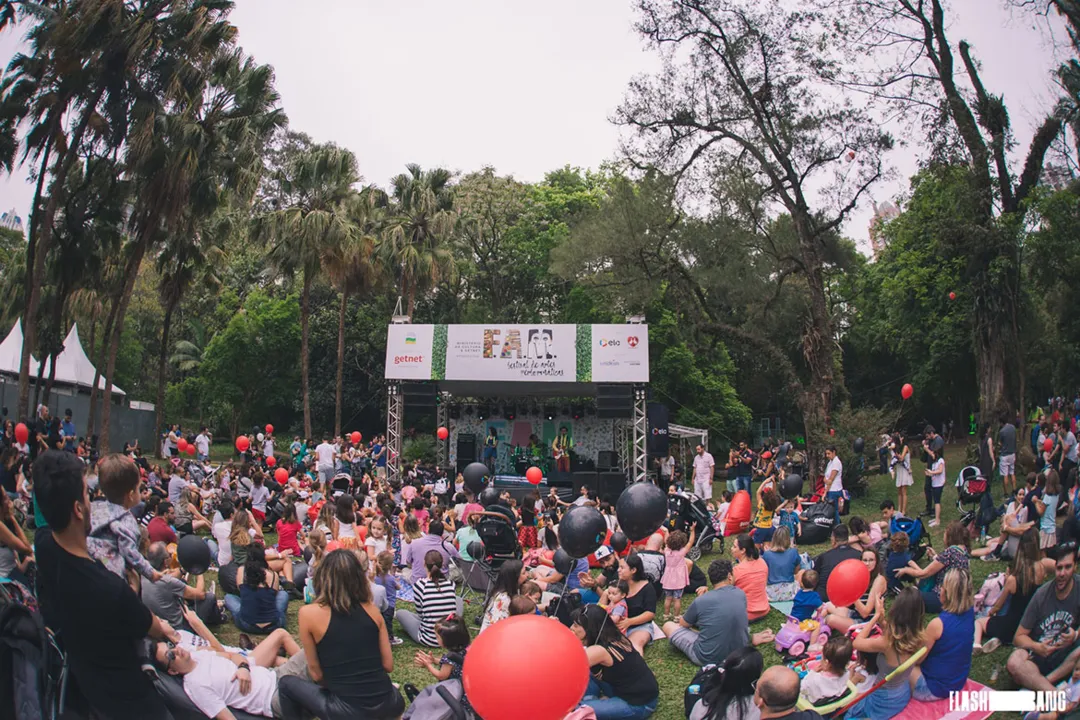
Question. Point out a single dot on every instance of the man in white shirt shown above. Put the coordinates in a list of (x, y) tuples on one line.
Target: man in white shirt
[(202, 445), (704, 467), (667, 470), (834, 479), (325, 457), (219, 681)]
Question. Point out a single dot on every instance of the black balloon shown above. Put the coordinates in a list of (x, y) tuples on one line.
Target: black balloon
[(859, 445), (619, 541), (563, 562), (475, 474), (641, 509), (475, 550), (489, 496), (791, 487), (582, 530), (193, 554)]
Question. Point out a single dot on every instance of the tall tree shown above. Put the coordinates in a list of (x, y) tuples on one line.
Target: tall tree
[(735, 92), (415, 240), (314, 219)]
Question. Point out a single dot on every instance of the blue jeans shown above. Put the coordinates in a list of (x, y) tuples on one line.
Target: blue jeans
[(613, 708), (834, 496), (742, 482), (232, 603)]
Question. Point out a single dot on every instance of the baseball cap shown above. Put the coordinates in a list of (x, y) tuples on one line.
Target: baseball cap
[(602, 552)]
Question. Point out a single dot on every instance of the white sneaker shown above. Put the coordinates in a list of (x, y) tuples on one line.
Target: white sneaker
[(990, 646), (932, 523), (396, 641)]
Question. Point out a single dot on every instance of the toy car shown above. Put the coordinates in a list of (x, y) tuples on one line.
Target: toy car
[(796, 636)]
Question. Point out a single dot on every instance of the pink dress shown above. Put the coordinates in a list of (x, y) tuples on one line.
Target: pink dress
[(676, 576)]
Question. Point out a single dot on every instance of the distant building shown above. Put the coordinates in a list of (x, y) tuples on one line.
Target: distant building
[(882, 214), (11, 220)]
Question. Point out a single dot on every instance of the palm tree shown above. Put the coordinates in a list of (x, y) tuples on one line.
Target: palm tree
[(353, 267), (187, 354), (415, 236), (317, 185)]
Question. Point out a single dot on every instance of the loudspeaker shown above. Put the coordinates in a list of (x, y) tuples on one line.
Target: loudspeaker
[(418, 395), (583, 478), (656, 442), (614, 401), (611, 485), (607, 460), (466, 450)]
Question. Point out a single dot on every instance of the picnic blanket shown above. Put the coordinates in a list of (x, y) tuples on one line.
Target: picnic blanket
[(916, 710), (783, 606)]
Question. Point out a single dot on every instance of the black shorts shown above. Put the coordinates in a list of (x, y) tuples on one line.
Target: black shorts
[(936, 491), (1051, 662)]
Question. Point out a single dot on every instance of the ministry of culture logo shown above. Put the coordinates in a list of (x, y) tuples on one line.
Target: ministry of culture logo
[(410, 339), (632, 341)]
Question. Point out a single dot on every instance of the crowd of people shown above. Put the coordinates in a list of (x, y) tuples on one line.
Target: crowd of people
[(350, 545)]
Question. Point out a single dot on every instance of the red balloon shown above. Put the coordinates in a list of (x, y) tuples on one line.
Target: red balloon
[(281, 475), (847, 582), (832, 431), (496, 670), (1048, 445), (269, 429), (190, 449), (242, 443), (355, 437), (907, 391), (22, 433), (738, 517), (271, 461), (766, 455), (952, 296), (442, 433), (534, 475), (181, 445)]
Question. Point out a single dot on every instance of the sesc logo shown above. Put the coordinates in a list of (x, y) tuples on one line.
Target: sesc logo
[(609, 343), (632, 341)]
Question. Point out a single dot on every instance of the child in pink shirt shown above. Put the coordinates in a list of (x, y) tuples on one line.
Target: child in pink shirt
[(676, 575)]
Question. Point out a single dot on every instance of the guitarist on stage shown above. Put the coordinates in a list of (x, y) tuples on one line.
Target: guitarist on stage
[(560, 448)]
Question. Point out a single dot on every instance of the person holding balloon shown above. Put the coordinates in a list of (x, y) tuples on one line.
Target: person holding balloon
[(843, 617), (956, 556), (622, 686)]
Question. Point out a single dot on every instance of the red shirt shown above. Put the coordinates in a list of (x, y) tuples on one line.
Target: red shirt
[(159, 531), (287, 536)]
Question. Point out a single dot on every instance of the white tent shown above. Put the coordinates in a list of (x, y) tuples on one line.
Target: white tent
[(73, 367)]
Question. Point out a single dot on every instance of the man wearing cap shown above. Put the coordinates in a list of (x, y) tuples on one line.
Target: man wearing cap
[(591, 585)]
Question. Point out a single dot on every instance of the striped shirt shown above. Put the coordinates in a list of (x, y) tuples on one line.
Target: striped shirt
[(434, 603)]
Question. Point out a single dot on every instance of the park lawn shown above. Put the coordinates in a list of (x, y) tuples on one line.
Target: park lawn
[(672, 670)]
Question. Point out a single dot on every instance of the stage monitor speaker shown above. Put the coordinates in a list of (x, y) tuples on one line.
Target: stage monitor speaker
[(611, 485), (466, 450), (583, 478), (607, 460)]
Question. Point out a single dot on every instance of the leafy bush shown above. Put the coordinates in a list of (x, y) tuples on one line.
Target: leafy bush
[(421, 447)]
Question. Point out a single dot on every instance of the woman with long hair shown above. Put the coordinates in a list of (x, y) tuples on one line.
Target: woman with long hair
[(508, 582), (434, 599), (842, 618), (782, 560), (622, 685), (241, 536), (733, 697), (900, 462), (345, 511), (1027, 573), (348, 649), (901, 637), (956, 556), (262, 605), (15, 551), (640, 602)]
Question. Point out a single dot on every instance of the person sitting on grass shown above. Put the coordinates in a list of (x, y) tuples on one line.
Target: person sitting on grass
[(1045, 641), (777, 695), (1026, 574), (841, 618), (720, 618), (783, 562), (621, 685), (900, 638), (732, 698), (267, 654), (262, 605), (948, 638), (830, 680), (454, 640), (898, 557), (828, 560), (954, 557), (1013, 524), (751, 576)]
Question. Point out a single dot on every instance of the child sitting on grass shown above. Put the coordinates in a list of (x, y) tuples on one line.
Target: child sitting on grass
[(614, 600), (454, 638), (830, 680), (806, 600)]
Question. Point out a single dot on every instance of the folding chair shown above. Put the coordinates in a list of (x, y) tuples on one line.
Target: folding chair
[(835, 709)]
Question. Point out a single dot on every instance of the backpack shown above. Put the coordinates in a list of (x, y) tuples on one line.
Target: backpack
[(989, 593), (24, 649), (706, 679), (441, 701)]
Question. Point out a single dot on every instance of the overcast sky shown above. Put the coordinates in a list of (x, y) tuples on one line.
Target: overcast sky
[(523, 87)]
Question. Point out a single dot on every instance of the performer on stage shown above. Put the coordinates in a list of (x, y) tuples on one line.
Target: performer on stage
[(491, 449), (560, 447)]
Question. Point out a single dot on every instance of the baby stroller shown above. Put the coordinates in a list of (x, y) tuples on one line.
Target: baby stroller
[(973, 489), (918, 538), (686, 511), (340, 484), (499, 536)]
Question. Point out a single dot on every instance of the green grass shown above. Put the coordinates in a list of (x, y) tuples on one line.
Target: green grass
[(672, 670)]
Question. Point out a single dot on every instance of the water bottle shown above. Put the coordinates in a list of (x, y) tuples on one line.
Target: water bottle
[(694, 689)]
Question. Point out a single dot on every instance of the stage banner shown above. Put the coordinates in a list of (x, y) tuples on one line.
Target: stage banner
[(656, 442), (409, 352), (519, 353)]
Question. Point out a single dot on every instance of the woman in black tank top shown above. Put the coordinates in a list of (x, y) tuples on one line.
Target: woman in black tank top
[(621, 681), (348, 655)]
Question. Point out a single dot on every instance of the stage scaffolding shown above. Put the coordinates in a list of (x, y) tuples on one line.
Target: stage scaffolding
[(630, 439), (395, 412)]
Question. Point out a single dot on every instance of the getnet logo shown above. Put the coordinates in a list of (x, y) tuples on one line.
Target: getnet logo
[(604, 342), (408, 359)]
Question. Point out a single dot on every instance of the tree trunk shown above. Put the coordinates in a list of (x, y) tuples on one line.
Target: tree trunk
[(38, 384), (110, 319), (166, 323), (131, 272), (52, 376), (990, 365), (412, 299), (340, 361), (305, 310), (32, 291)]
